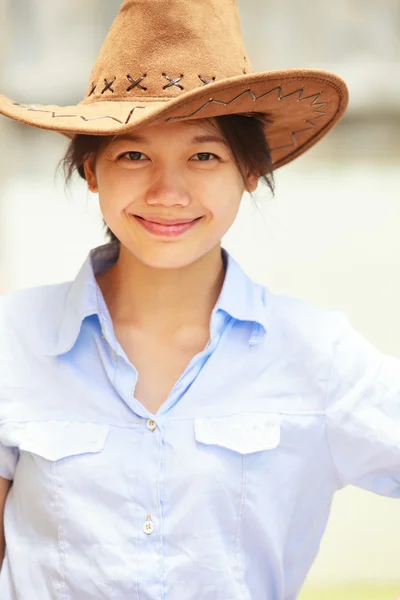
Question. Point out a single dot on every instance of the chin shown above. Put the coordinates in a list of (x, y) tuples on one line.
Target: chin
[(166, 258)]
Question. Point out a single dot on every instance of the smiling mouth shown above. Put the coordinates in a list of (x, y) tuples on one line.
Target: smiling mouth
[(163, 230), (172, 224)]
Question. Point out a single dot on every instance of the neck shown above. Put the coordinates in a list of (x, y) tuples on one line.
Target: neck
[(162, 301)]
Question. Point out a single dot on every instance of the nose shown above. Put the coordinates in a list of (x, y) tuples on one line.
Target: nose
[(168, 188)]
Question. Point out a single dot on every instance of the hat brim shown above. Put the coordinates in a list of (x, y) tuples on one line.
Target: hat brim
[(304, 105)]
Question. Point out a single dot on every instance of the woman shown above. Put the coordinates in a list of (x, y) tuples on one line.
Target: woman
[(171, 428)]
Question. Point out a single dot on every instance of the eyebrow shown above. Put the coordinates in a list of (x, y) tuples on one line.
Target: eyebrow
[(197, 139)]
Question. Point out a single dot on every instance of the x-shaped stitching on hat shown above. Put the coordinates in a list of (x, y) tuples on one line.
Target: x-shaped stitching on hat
[(172, 82), (108, 85), (135, 83), (94, 86), (205, 80)]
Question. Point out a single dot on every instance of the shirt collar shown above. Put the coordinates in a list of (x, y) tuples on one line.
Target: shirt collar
[(240, 298)]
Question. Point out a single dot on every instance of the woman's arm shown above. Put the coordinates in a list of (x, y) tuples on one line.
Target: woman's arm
[(5, 485), (363, 413)]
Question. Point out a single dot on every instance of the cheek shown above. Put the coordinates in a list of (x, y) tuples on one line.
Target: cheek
[(115, 193), (227, 192), (225, 204)]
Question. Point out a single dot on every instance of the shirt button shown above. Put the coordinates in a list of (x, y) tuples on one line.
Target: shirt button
[(150, 424), (148, 526)]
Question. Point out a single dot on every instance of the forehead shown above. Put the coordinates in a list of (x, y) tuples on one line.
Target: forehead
[(185, 128)]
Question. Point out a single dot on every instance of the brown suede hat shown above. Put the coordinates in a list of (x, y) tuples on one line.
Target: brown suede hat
[(169, 60)]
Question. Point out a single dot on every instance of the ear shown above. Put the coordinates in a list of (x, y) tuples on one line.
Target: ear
[(90, 173), (252, 182)]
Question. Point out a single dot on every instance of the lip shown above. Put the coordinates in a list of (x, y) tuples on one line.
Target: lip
[(167, 221), (166, 230)]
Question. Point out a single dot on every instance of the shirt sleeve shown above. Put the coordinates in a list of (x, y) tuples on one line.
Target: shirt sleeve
[(8, 461), (363, 413)]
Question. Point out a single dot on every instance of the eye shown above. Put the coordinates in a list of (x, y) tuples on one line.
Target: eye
[(134, 156), (203, 156), (131, 156)]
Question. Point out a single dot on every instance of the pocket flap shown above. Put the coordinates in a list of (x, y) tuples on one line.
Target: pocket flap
[(243, 432), (54, 439)]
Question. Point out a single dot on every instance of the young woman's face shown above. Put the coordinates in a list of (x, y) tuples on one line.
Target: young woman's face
[(168, 174)]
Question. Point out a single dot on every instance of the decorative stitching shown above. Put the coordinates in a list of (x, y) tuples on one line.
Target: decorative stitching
[(294, 133), (249, 91), (108, 85), (239, 525), (61, 540), (160, 503), (205, 81), (54, 116), (318, 106), (136, 82), (172, 82), (131, 113), (300, 91)]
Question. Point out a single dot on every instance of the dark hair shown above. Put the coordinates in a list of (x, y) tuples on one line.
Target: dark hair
[(244, 133)]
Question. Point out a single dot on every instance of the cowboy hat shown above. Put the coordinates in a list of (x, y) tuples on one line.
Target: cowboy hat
[(172, 60)]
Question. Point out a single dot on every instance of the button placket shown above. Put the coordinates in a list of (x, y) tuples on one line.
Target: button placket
[(149, 491)]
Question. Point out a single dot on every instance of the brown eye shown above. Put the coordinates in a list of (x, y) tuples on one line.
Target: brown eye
[(131, 155), (203, 156)]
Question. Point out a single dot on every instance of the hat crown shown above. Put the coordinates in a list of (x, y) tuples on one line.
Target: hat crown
[(160, 49)]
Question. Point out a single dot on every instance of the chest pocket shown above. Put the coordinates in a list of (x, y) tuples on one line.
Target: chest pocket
[(55, 440), (243, 433), (225, 449), (63, 467), (72, 488), (224, 454), (56, 454)]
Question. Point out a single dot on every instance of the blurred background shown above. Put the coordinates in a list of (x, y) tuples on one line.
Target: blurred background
[(329, 236)]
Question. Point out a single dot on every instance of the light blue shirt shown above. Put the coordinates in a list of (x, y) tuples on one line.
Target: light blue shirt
[(225, 492)]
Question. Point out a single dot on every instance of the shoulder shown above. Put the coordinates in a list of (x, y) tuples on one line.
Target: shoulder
[(27, 315), (302, 320), (25, 302), (325, 338), (298, 349)]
